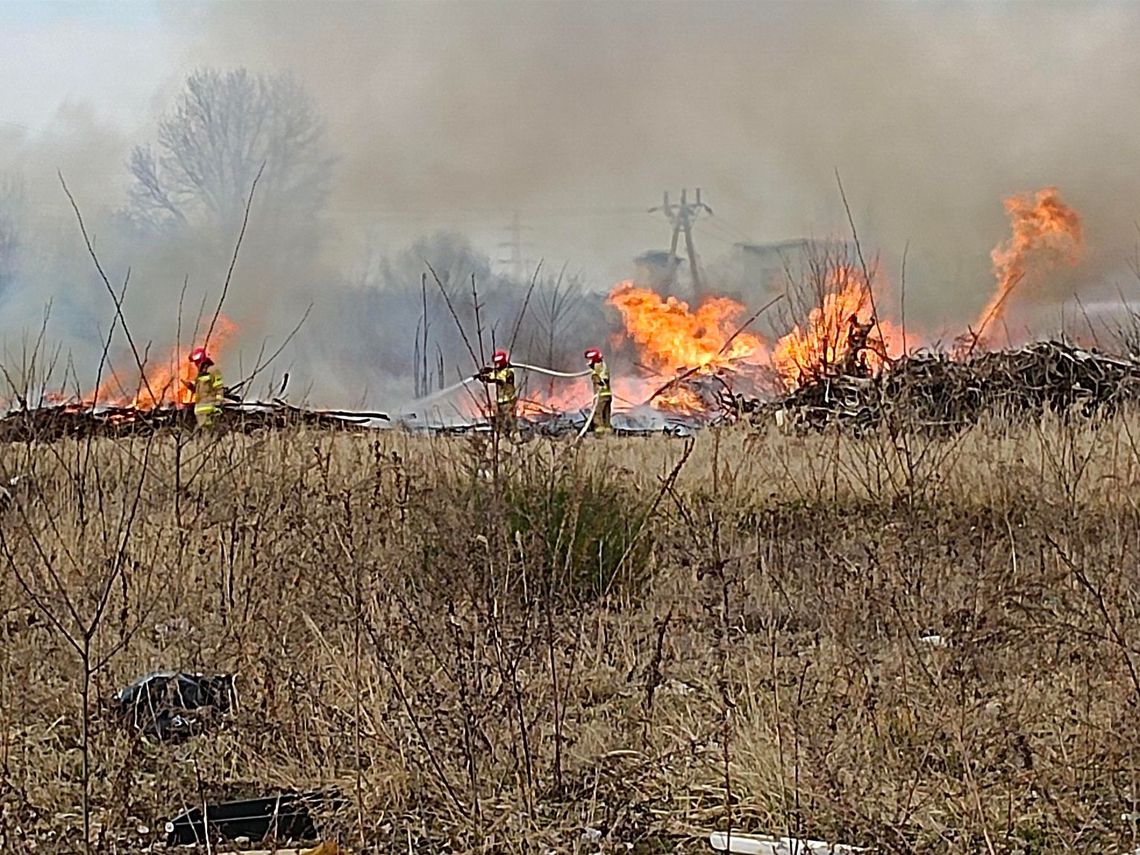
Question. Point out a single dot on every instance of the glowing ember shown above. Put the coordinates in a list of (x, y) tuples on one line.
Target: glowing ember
[(165, 382), (822, 345), (672, 336), (1046, 232)]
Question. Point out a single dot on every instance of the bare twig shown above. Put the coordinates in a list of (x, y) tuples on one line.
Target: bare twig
[(526, 302), (233, 260), (140, 362)]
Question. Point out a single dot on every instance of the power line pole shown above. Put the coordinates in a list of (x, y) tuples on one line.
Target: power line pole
[(515, 245), (682, 217)]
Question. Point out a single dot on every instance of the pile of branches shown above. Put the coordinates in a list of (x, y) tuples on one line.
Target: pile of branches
[(708, 396), (935, 392), (79, 421)]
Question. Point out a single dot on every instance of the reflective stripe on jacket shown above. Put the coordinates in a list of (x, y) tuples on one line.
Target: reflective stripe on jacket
[(208, 389), (600, 377), (504, 380)]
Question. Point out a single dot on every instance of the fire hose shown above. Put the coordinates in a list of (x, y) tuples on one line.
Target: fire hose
[(420, 402), (551, 372), (589, 418)]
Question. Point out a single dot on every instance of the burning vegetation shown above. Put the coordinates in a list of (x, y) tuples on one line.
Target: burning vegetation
[(671, 337), (1046, 233), (839, 333), (167, 382), (690, 349), (703, 362)]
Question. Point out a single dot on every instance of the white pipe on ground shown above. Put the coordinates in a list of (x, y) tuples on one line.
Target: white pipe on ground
[(751, 844)]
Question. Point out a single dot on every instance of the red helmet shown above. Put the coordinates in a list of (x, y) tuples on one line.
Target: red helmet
[(593, 355), (199, 356), (499, 359)]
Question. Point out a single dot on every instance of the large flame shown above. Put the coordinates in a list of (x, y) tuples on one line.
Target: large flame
[(673, 337), (165, 382), (1046, 232), (820, 346), (693, 349)]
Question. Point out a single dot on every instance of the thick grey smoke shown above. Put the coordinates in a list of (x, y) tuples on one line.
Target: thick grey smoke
[(447, 116), (931, 112)]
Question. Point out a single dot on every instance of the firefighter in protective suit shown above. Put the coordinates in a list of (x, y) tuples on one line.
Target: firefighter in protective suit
[(502, 376), (603, 394), (208, 389)]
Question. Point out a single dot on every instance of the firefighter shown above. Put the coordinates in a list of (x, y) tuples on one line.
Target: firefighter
[(603, 394), (207, 388), (502, 376)]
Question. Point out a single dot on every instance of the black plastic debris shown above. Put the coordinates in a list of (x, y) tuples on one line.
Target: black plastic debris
[(282, 818), (175, 705)]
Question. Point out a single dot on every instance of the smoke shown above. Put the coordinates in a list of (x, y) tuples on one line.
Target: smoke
[(932, 114), (447, 116)]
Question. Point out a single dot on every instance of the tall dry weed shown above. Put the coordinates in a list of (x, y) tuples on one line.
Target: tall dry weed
[(583, 646)]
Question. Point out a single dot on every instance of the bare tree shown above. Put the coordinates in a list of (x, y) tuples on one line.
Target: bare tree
[(559, 308), (221, 129)]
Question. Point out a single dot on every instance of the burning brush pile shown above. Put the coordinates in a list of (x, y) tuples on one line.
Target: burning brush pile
[(841, 363), (871, 375), (703, 365), (161, 398), (689, 360), (938, 393)]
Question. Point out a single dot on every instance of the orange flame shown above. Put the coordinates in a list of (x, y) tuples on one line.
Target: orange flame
[(820, 347), (671, 338), (674, 337), (681, 400), (164, 383), (566, 397), (1046, 232)]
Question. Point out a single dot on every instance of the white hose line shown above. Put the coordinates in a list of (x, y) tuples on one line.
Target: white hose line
[(419, 403), (550, 372), (589, 418)]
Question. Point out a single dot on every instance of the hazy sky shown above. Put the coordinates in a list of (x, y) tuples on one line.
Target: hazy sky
[(108, 55), (579, 114)]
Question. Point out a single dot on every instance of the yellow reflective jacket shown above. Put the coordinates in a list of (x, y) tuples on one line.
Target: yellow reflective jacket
[(600, 377), (504, 380), (208, 391)]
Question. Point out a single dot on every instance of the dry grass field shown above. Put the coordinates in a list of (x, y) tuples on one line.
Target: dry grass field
[(645, 639)]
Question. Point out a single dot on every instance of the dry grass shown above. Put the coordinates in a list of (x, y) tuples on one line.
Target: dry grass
[(634, 636)]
